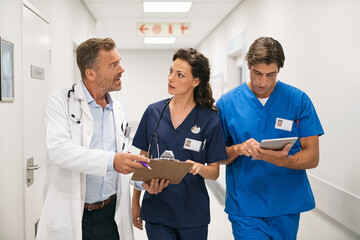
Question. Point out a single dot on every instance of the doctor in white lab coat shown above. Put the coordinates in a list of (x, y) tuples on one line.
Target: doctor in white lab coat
[(69, 132)]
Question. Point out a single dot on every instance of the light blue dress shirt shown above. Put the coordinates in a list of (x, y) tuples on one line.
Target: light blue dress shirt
[(101, 188)]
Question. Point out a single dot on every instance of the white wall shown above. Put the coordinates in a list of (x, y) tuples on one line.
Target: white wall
[(321, 43), (144, 80), (69, 20)]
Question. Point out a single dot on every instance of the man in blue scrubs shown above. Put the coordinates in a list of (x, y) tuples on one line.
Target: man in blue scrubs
[(267, 190)]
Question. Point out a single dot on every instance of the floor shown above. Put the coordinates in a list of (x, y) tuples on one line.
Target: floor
[(219, 228), (309, 227)]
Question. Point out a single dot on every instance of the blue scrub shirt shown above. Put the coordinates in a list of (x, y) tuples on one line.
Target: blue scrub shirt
[(257, 188), (185, 204)]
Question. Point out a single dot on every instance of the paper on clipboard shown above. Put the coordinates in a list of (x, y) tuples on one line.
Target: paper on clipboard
[(173, 170)]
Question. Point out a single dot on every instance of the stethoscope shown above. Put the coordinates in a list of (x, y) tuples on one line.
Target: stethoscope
[(154, 136), (72, 116), (78, 119)]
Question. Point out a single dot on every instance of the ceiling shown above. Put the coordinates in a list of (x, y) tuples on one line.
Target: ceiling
[(122, 20)]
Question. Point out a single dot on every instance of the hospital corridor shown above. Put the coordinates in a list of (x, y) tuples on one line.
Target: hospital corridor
[(93, 90)]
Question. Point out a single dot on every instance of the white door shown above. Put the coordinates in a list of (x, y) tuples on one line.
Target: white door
[(36, 87)]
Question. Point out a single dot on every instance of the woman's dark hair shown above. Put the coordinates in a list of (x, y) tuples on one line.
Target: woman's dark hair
[(200, 69)]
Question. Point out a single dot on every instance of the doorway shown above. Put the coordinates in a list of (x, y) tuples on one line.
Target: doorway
[(36, 87), (235, 69)]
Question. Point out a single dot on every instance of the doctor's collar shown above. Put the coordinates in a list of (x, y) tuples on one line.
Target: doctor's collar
[(90, 99)]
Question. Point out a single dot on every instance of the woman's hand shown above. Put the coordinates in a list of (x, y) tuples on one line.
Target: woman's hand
[(135, 209), (196, 168), (209, 171), (156, 185)]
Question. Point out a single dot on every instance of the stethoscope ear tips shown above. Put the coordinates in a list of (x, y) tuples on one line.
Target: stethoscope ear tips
[(73, 116)]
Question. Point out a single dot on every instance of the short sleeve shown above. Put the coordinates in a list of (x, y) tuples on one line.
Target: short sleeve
[(309, 123)]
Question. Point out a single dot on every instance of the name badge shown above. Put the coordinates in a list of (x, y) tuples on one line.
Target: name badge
[(192, 144), (284, 124)]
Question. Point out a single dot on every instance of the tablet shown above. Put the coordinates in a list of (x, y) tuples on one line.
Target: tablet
[(277, 143)]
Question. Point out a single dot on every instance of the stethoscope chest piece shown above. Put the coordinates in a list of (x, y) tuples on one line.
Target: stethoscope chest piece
[(195, 129)]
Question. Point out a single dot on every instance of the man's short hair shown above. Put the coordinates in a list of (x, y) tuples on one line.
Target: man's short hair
[(88, 51), (265, 50)]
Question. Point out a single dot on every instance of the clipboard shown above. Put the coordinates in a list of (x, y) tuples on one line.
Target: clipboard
[(174, 170)]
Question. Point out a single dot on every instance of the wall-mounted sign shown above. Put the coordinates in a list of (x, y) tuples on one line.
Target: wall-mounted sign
[(163, 29), (37, 72)]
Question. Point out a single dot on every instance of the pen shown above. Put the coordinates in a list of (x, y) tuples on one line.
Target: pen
[(144, 164), (204, 144)]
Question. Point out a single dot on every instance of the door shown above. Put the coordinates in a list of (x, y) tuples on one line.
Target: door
[(36, 87)]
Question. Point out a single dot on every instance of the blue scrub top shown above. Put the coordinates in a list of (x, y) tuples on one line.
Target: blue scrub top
[(185, 204), (257, 188)]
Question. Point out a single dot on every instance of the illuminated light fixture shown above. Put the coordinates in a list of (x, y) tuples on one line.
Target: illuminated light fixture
[(167, 6), (159, 40)]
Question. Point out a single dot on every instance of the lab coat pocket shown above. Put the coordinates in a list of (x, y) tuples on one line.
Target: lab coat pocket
[(58, 210)]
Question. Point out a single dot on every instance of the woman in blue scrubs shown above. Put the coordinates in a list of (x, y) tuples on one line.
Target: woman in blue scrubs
[(189, 127)]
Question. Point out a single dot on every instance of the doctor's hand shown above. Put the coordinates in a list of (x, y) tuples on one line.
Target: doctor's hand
[(156, 185), (127, 163)]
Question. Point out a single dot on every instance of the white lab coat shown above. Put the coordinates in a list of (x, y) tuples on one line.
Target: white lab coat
[(69, 160)]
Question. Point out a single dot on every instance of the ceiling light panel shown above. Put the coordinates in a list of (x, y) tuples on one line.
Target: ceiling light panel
[(167, 6), (159, 40)]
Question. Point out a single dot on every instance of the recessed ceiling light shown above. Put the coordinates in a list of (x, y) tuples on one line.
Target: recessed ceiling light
[(159, 40), (167, 6)]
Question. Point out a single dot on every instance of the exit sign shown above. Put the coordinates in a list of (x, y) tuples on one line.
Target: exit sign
[(163, 29)]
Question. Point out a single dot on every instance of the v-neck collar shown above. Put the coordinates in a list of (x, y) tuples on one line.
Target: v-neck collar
[(269, 102), (168, 116)]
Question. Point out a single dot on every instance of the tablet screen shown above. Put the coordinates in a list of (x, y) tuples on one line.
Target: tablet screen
[(277, 143)]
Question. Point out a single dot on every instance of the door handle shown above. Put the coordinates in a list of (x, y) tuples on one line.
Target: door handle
[(33, 167), (30, 167)]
